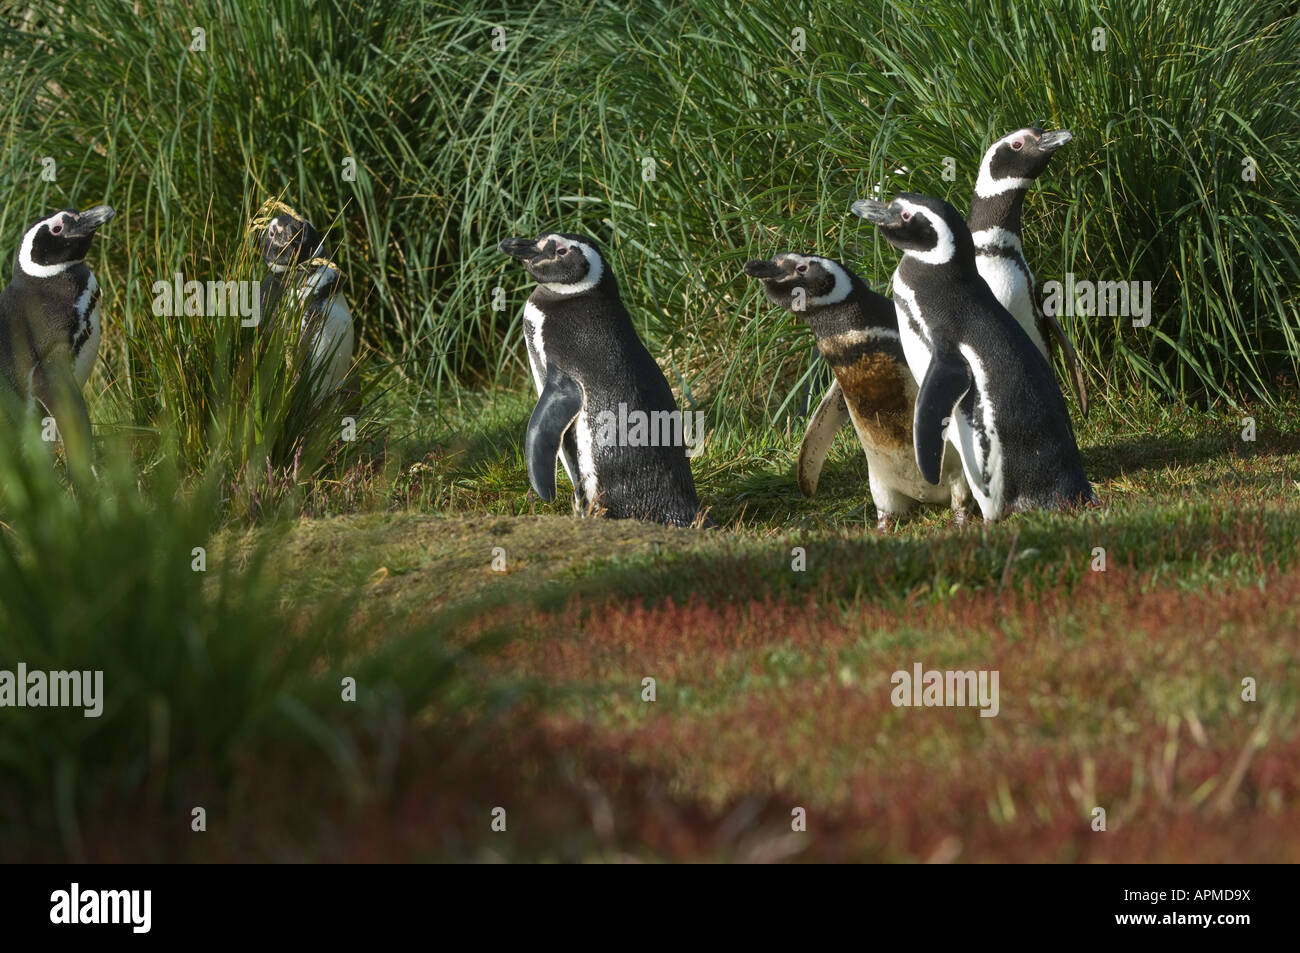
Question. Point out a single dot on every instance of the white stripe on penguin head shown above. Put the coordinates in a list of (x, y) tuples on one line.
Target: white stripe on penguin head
[(839, 291), (986, 186), (595, 267), (945, 246), (30, 267)]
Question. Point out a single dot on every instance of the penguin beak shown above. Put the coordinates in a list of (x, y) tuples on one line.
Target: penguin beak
[(762, 268), (523, 249), (88, 221), (1051, 141), (877, 213)]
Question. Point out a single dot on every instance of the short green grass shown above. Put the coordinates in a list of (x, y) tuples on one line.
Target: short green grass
[(1121, 689)]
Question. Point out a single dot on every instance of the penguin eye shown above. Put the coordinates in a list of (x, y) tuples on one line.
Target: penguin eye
[(801, 268), (56, 228), (1017, 144), (561, 251), (906, 216)]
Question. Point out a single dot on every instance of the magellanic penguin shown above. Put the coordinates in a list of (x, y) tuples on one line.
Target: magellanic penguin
[(593, 369), (857, 334), (977, 368), (1008, 169), (305, 282), (50, 327)]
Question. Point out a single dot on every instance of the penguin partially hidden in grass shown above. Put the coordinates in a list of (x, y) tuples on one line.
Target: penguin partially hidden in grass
[(1009, 167), (984, 385), (590, 367), (304, 282), (856, 332), (50, 328)]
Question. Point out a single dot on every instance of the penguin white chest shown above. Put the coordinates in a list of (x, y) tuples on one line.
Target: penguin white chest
[(332, 350), (1011, 283), (911, 330), (86, 338), (533, 321), (585, 440), (976, 438), (328, 330), (1006, 281)]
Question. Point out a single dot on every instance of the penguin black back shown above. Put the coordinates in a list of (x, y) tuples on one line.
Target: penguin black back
[(965, 345), (588, 344), (50, 326)]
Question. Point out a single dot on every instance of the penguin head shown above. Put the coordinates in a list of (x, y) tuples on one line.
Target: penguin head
[(1015, 160), (56, 243), (823, 282), (289, 240), (563, 264), (926, 228)]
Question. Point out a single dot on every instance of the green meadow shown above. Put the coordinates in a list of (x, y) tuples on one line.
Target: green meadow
[(359, 649)]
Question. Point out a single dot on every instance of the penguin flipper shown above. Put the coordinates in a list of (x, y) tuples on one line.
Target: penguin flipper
[(555, 412), (1073, 367), (831, 414), (946, 381)]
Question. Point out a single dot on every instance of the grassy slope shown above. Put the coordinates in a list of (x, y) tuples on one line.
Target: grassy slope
[(1119, 689)]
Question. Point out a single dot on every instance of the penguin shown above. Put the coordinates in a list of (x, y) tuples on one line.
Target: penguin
[(977, 369), (50, 327), (1008, 169), (303, 280), (856, 332), (593, 370)]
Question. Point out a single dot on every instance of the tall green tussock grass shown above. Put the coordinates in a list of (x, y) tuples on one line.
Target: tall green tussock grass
[(755, 147)]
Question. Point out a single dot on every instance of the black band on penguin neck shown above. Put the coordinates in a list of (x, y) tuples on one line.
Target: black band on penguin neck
[(997, 211)]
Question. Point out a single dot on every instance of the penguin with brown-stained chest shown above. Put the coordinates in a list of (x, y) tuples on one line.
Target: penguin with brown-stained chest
[(857, 334)]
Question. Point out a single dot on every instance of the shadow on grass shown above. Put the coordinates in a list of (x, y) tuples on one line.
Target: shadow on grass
[(765, 491), (1214, 542), (1158, 452), (1199, 545), (494, 445), (569, 794)]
